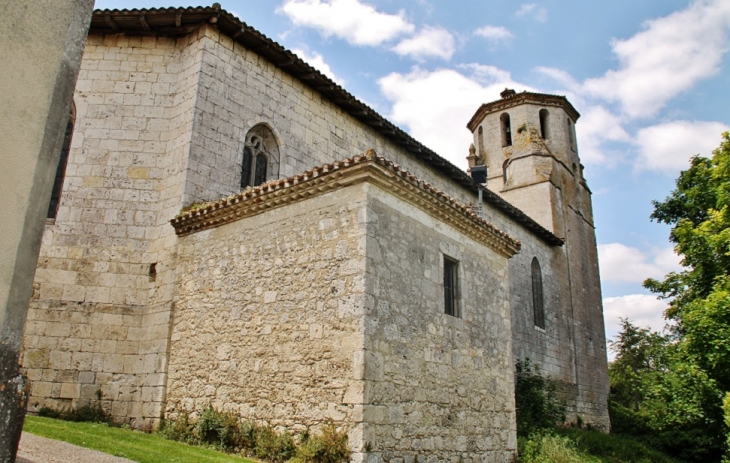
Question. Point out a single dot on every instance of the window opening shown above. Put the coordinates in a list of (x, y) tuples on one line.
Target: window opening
[(61, 168), (153, 272), (504, 171), (260, 157), (506, 130), (451, 287), (246, 168), (538, 308), (260, 175), (544, 118), (570, 135)]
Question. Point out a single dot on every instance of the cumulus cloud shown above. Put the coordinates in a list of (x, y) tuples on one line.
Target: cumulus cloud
[(642, 310), (317, 61), (435, 105), (625, 264), (667, 147), (494, 34), (669, 56), (534, 11), (352, 20), (596, 127), (428, 42)]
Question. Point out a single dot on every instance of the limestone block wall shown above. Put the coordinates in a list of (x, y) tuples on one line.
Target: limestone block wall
[(106, 265), (268, 320), (239, 89), (440, 387), (82, 353)]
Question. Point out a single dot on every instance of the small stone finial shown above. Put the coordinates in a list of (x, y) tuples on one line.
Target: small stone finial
[(472, 158), (507, 93), (370, 154)]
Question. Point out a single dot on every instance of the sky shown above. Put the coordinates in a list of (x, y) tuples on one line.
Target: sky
[(649, 78)]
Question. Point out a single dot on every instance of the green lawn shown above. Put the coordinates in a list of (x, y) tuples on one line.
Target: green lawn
[(135, 445)]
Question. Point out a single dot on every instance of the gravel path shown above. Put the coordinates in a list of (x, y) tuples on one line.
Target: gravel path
[(36, 449)]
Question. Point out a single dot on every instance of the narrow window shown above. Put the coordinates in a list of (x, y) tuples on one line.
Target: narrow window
[(506, 130), (260, 175), (246, 168), (544, 116), (480, 141), (537, 303), (570, 135), (61, 168), (153, 272), (504, 171), (451, 287)]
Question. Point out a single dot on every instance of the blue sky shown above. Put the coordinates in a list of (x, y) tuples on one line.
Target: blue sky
[(650, 79)]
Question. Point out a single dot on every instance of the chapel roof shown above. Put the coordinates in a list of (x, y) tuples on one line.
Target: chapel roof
[(368, 167), (180, 21)]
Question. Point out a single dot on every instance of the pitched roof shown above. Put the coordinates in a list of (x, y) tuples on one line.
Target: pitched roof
[(368, 167), (174, 22)]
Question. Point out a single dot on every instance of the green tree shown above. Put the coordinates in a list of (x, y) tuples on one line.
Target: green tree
[(671, 389)]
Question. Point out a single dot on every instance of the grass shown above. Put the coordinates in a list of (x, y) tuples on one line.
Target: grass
[(134, 445), (614, 448)]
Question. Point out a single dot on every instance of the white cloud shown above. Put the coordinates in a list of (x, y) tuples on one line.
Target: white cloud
[(667, 147), (352, 20), (597, 126), (436, 105), (534, 11), (669, 56), (494, 34), (624, 264), (428, 42), (317, 61), (643, 310)]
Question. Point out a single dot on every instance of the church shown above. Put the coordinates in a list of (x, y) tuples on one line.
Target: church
[(230, 227)]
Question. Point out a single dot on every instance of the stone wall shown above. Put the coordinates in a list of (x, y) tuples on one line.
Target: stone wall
[(269, 315), (106, 265), (441, 387), (239, 89)]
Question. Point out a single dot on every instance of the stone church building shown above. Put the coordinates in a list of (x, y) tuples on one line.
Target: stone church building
[(230, 227)]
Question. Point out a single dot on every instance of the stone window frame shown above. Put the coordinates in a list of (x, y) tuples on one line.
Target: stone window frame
[(538, 295), (261, 159), (452, 286), (60, 176)]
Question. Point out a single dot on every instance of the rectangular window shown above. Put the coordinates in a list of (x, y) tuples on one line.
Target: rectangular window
[(451, 287)]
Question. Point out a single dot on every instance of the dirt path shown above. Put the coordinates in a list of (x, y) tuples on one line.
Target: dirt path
[(35, 449)]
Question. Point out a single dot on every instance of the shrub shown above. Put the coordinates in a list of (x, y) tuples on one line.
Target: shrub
[(272, 445), (181, 430), (219, 429), (330, 446), (549, 448), (537, 404)]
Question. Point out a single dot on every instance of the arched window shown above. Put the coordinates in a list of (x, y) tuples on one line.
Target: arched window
[(544, 117), (260, 157), (538, 309), (506, 130), (61, 168)]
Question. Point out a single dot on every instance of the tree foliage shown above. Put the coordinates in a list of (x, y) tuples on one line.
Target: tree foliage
[(670, 388)]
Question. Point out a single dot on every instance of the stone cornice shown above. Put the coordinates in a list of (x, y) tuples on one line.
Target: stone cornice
[(542, 99), (369, 168)]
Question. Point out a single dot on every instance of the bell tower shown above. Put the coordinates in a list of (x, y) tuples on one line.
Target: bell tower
[(527, 141)]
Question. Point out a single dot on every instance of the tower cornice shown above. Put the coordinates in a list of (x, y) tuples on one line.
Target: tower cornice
[(511, 99)]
